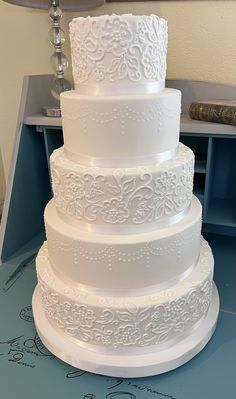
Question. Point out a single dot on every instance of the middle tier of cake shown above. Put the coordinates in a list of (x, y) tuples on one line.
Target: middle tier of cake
[(123, 200), (109, 261)]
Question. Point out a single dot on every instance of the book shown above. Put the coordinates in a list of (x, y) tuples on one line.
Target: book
[(218, 111)]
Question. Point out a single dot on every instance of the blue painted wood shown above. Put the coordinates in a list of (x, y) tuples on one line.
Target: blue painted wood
[(222, 193), (215, 158), (219, 229), (30, 193), (199, 186), (53, 139), (208, 179), (200, 165), (199, 145), (224, 251)]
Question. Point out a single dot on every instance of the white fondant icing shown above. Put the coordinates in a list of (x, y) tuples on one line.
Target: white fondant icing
[(123, 261), (123, 321), (124, 51), (120, 129), (141, 196), (124, 272), (127, 362)]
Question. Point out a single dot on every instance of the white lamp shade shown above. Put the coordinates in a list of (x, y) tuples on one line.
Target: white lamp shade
[(70, 5)]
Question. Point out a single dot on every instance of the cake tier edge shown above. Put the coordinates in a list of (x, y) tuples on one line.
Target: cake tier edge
[(111, 261), (121, 129), (135, 198), (125, 53), (123, 322), (126, 365)]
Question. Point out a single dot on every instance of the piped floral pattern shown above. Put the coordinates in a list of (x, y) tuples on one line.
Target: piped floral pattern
[(114, 48), (123, 196), (122, 322)]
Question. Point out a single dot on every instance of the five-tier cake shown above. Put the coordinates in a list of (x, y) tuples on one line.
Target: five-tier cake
[(124, 279)]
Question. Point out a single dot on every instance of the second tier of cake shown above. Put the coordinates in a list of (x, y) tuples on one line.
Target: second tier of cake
[(121, 129), (155, 259)]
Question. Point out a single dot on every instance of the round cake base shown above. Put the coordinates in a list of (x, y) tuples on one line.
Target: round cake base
[(126, 366)]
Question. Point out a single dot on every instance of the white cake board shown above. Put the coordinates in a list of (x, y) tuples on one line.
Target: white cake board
[(126, 365)]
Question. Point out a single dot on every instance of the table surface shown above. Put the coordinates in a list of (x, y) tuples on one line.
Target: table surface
[(28, 370), (187, 125)]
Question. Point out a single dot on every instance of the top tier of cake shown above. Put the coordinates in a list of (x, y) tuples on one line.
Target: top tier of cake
[(111, 53)]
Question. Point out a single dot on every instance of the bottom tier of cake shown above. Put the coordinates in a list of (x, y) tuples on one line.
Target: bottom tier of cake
[(128, 336)]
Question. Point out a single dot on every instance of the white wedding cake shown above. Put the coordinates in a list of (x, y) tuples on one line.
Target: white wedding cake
[(124, 279)]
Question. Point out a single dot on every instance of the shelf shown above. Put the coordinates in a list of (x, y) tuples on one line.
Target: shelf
[(222, 212), (199, 181), (199, 186), (200, 166), (40, 120), (220, 183), (199, 192), (199, 146), (187, 125)]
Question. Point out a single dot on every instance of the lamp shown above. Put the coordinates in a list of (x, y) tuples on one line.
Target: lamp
[(57, 39), (69, 5)]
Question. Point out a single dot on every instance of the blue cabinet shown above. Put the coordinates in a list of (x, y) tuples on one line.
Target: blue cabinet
[(214, 179)]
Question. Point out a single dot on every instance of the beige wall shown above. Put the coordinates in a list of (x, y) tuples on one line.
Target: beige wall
[(202, 46)]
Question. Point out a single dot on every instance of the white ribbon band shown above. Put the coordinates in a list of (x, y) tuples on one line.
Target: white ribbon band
[(123, 229), (117, 89), (134, 292), (120, 162), (127, 351)]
